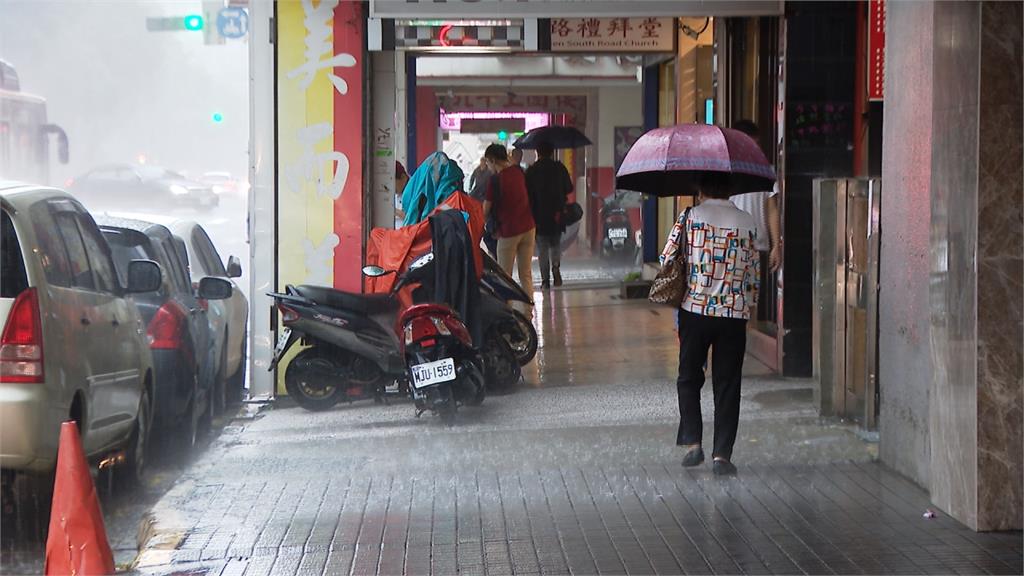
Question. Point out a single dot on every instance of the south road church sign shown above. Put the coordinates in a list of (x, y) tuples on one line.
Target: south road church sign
[(613, 34)]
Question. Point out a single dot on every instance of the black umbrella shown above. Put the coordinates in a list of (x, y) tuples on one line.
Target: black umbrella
[(557, 136)]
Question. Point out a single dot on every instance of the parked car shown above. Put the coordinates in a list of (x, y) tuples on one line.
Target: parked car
[(73, 346), (179, 329), (230, 316), (136, 187)]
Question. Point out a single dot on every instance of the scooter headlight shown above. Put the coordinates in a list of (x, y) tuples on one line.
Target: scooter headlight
[(442, 328)]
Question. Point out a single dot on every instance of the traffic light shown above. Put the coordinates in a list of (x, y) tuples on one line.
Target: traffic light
[(218, 117), (193, 22), (502, 135)]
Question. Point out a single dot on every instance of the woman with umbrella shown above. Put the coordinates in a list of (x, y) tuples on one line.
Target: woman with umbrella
[(716, 243)]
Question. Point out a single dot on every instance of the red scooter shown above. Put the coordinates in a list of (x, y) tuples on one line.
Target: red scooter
[(443, 368)]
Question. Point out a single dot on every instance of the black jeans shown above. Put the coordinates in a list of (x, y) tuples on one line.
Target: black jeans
[(728, 336)]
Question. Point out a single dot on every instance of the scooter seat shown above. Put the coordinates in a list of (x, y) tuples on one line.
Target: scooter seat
[(366, 303)]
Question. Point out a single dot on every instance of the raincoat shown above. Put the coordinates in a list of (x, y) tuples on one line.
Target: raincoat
[(396, 249), (437, 178)]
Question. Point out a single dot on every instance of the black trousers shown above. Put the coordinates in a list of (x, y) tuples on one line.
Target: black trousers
[(728, 336)]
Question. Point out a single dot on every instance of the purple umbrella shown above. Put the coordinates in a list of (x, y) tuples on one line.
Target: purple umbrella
[(667, 161)]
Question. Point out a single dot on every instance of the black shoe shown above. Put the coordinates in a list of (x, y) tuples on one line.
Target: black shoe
[(558, 276), (723, 468), (695, 457), (545, 285)]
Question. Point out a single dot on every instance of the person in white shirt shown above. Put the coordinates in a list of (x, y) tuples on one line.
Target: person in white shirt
[(723, 273), (764, 207)]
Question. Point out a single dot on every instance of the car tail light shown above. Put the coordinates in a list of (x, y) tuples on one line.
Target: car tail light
[(288, 315), (166, 327), (21, 346)]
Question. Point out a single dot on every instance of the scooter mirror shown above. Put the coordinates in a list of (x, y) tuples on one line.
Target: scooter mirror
[(373, 271)]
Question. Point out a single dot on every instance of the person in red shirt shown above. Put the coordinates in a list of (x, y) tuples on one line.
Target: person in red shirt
[(508, 202)]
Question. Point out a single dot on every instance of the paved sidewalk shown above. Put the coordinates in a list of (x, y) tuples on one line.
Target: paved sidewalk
[(655, 519), (577, 473)]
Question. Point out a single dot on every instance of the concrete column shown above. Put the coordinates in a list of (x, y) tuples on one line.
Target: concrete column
[(904, 363), (956, 175), (262, 217), (385, 135)]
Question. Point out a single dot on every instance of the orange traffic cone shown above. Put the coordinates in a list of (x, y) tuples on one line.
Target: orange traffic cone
[(77, 541)]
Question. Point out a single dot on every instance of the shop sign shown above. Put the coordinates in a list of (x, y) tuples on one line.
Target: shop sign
[(458, 35), (511, 102), (876, 50), (320, 175), (613, 34)]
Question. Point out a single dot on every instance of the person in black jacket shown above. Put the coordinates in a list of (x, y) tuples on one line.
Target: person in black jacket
[(549, 186)]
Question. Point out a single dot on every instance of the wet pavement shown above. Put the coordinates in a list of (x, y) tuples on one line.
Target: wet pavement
[(574, 473)]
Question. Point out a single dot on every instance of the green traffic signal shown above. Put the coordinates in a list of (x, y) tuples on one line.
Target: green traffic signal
[(218, 117), (502, 135), (193, 22)]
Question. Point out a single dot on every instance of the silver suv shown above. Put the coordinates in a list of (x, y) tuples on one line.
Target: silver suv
[(72, 346)]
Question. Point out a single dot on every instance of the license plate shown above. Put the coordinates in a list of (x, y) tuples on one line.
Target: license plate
[(433, 373), (618, 233), (282, 340)]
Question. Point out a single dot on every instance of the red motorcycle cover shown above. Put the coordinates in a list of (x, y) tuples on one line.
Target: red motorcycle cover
[(396, 249)]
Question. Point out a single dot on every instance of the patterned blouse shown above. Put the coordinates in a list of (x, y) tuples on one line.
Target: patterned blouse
[(724, 266)]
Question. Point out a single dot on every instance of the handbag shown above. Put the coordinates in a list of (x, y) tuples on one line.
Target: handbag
[(670, 285)]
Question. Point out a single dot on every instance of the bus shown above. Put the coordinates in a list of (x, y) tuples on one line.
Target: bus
[(25, 134)]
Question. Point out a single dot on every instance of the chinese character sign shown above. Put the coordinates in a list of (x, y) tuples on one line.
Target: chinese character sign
[(320, 155), (613, 34), (876, 49)]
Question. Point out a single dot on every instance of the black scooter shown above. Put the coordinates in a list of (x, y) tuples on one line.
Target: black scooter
[(511, 324), (354, 352)]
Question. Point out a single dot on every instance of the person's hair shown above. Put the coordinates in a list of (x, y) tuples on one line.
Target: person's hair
[(717, 185), (496, 152), (545, 150), (747, 127), (517, 154)]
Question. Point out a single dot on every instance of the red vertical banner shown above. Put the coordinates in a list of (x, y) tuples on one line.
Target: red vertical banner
[(876, 49), (349, 23)]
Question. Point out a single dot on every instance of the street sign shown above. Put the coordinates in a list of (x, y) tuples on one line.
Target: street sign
[(233, 22)]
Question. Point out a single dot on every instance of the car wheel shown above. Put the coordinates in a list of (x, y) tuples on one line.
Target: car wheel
[(191, 422), (219, 400), (135, 468), (236, 385)]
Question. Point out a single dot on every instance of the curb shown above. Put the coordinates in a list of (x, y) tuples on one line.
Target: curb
[(163, 528)]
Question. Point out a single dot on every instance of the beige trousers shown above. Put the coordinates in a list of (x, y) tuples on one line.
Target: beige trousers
[(516, 253)]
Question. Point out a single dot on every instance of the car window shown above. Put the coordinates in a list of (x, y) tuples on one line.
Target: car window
[(205, 251), (125, 247), (99, 255), (49, 247), (177, 272), (182, 251), (78, 261), (13, 277)]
